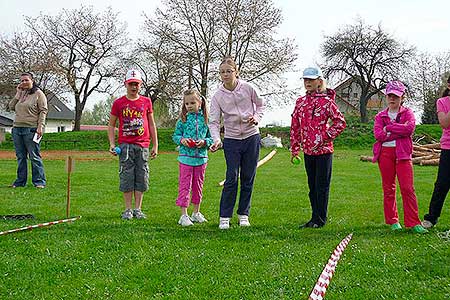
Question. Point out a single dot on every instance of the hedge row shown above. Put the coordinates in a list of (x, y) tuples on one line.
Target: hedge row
[(355, 136)]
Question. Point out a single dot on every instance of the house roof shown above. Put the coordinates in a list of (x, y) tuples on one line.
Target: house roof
[(6, 118), (57, 110), (349, 81)]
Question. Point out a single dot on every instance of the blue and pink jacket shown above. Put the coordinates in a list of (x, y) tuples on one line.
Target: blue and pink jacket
[(401, 130), (194, 128)]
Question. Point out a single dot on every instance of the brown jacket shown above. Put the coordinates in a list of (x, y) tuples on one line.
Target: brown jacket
[(31, 110)]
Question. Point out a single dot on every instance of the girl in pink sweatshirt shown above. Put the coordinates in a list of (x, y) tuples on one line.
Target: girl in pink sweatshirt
[(393, 130), (241, 108)]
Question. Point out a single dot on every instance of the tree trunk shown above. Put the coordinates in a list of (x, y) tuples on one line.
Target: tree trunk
[(78, 113), (363, 110)]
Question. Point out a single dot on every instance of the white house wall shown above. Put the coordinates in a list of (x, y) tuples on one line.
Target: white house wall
[(52, 125)]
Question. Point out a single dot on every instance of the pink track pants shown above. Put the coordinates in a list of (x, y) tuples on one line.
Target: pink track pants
[(191, 178), (390, 167)]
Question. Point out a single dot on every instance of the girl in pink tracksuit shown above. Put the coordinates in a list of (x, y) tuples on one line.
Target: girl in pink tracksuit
[(393, 130)]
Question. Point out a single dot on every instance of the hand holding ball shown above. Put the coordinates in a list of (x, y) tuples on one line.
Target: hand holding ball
[(191, 143), (117, 150)]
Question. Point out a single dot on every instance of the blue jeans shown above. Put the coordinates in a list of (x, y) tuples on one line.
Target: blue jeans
[(243, 155), (26, 148)]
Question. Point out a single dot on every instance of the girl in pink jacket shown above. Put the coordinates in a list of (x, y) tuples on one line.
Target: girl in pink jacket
[(312, 132), (393, 130)]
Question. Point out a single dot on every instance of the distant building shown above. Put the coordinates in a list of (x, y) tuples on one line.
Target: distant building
[(59, 117), (348, 94)]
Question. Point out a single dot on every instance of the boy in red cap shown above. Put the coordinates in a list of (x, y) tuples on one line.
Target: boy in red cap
[(136, 128)]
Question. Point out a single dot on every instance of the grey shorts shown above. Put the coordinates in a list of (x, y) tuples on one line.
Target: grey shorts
[(133, 168)]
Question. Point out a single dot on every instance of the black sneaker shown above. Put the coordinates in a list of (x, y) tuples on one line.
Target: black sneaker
[(308, 224), (311, 224), (314, 225)]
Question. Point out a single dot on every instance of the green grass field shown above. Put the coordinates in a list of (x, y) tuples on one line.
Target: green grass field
[(101, 256)]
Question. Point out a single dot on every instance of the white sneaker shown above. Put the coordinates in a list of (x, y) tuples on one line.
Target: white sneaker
[(427, 224), (185, 221), (138, 214), (127, 214), (198, 217), (224, 223), (243, 221)]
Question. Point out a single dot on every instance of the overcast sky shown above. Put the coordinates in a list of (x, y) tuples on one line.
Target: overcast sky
[(422, 23)]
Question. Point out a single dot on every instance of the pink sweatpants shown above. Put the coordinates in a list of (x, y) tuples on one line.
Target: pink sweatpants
[(390, 167), (191, 178)]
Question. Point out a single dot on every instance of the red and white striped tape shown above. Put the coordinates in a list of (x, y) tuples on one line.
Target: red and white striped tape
[(39, 225), (319, 290)]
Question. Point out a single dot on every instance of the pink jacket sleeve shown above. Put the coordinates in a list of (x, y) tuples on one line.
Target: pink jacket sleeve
[(378, 131), (259, 105), (295, 133), (339, 123), (214, 119), (404, 129)]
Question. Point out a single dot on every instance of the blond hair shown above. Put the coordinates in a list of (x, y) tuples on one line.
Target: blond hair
[(229, 60), (200, 98), (323, 85)]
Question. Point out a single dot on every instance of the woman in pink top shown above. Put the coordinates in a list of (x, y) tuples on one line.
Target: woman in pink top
[(242, 109), (442, 185), (393, 130)]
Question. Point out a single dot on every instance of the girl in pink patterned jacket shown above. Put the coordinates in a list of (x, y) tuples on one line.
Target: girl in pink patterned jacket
[(311, 131), (393, 130)]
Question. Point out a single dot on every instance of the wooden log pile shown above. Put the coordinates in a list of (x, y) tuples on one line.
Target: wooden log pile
[(426, 155), (423, 155)]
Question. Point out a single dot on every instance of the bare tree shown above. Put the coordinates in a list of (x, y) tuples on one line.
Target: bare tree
[(86, 47), (19, 54), (428, 78), (248, 30), (197, 34), (369, 55), (187, 28)]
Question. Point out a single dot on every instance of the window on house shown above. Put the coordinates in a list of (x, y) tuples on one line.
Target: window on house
[(61, 128), (345, 95)]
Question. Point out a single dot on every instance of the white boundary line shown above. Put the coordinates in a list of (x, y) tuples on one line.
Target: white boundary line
[(39, 225), (260, 163), (319, 290)]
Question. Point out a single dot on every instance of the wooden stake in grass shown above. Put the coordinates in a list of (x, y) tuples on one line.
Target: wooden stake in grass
[(69, 168), (260, 163)]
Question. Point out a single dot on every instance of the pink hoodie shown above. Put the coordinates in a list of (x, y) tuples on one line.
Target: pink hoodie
[(401, 130), (236, 107)]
